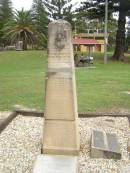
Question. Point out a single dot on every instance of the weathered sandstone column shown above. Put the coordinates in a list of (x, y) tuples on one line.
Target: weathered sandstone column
[(60, 129)]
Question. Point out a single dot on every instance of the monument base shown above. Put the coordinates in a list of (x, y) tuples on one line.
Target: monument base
[(60, 137), (55, 164)]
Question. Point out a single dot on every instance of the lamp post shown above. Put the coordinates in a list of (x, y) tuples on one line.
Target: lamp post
[(106, 32)]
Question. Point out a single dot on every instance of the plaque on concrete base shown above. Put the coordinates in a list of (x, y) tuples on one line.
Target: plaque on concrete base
[(55, 164), (105, 145)]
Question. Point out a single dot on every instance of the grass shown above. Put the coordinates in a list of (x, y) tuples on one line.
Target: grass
[(22, 78), (22, 82)]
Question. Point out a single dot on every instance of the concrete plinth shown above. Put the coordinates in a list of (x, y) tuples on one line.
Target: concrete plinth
[(55, 164)]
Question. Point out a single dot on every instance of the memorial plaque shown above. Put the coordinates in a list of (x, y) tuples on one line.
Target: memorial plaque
[(104, 145), (113, 145), (98, 139), (55, 164)]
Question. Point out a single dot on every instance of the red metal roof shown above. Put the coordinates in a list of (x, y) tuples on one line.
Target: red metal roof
[(84, 41)]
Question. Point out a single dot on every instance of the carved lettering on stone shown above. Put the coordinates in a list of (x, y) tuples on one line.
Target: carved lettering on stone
[(60, 38)]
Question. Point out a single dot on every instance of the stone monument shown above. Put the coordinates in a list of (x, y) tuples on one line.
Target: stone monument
[(19, 45), (60, 135)]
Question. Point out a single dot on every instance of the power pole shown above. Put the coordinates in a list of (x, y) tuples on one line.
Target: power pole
[(106, 32)]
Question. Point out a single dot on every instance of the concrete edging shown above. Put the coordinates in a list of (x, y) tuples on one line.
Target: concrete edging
[(6, 121), (81, 115), (36, 113)]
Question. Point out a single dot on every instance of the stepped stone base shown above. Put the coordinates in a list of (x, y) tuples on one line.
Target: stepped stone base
[(55, 164), (60, 137)]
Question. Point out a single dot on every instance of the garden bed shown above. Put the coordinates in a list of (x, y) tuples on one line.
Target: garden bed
[(21, 143)]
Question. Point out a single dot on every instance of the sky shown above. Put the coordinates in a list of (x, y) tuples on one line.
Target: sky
[(19, 4), (26, 4)]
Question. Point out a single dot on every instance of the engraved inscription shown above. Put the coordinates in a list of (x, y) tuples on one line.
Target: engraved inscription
[(60, 38)]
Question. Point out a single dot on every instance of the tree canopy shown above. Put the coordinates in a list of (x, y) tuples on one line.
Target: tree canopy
[(91, 13), (40, 16), (96, 9), (21, 28), (40, 20), (60, 9), (5, 10), (5, 15)]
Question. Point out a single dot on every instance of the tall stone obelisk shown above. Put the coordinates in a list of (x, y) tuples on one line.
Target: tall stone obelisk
[(60, 135)]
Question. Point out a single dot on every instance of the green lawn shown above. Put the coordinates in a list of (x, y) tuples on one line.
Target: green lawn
[(22, 82)]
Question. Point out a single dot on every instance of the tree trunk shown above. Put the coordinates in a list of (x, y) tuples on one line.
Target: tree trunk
[(120, 37), (24, 44), (59, 10)]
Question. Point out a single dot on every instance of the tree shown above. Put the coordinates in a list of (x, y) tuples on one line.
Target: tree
[(5, 15), (112, 24), (5, 10), (84, 25), (124, 10), (60, 9), (127, 44), (22, 29), (96, 9), (40, 19), (40, 16)]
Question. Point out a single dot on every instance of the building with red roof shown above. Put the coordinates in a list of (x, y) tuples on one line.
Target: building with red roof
[(89, 42)]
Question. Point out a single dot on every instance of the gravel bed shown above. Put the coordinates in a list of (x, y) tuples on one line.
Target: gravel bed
[(21, 142), (120, 126)]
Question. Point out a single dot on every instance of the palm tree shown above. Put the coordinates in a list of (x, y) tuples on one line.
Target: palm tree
[(21, 28)]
